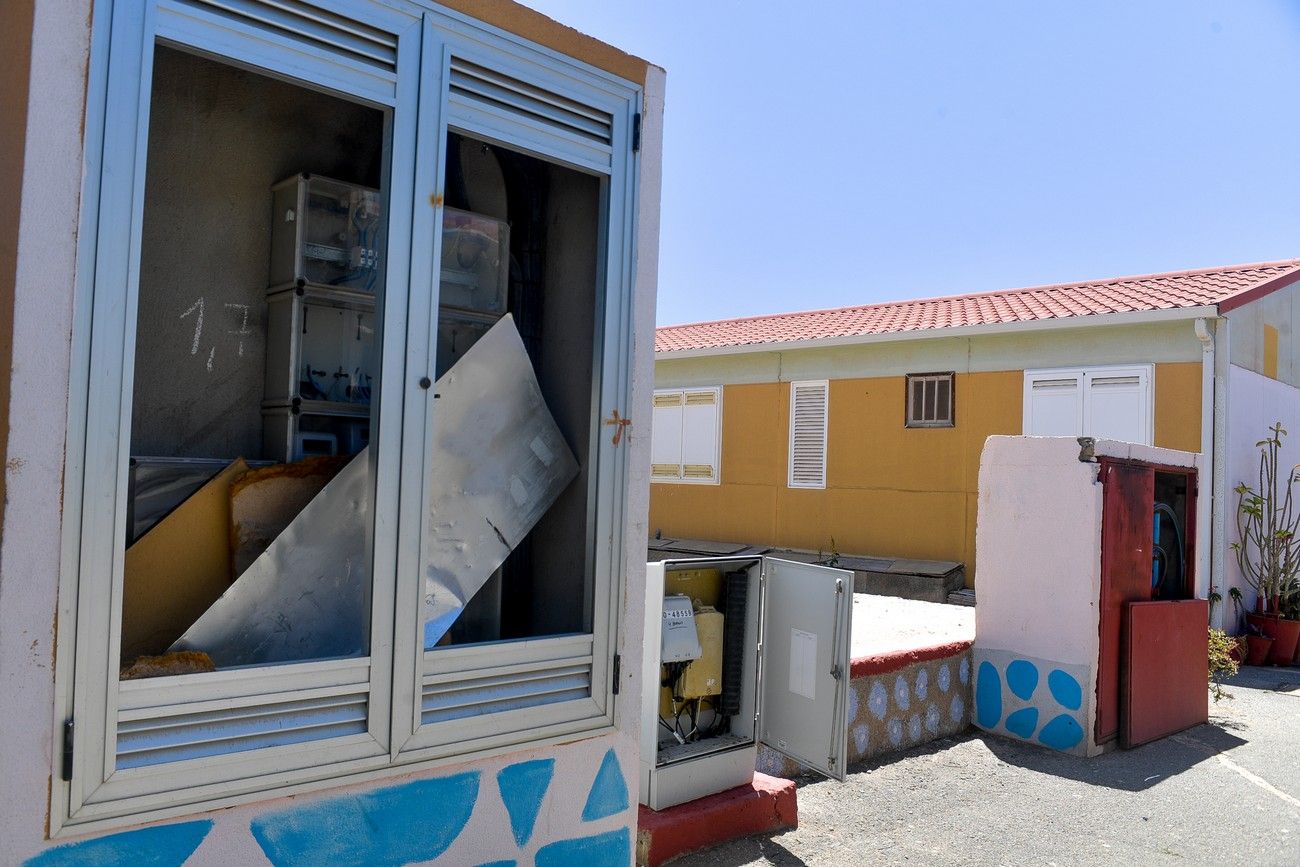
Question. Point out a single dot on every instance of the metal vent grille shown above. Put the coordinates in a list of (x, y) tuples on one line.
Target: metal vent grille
[(456, 696), (701, 398), (486, 87), (316, 28), (808, 434), (149, 736)]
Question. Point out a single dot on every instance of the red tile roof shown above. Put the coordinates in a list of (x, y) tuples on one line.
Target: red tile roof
[(1227, 287)]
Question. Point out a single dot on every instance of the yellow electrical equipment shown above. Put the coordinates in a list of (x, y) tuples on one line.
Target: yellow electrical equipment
[(703, 677), (704, 586)]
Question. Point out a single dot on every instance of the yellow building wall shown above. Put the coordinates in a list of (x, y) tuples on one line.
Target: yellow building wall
[(890, 490)]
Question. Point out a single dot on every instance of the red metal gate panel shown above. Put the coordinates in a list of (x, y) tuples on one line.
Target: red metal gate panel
[(1126, 530), (1165, 669)]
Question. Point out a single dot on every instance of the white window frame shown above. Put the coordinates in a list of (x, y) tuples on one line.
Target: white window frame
[(681, 478), (912, 418), (88, 693), (791, 481), (1083, 377)]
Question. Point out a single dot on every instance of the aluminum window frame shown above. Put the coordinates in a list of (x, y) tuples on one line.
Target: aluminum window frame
[(86, 686), (910, 418)]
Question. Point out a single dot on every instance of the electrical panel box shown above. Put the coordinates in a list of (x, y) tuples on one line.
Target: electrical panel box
[(325, 232), (772, 668), (321, 363), (475, 262)]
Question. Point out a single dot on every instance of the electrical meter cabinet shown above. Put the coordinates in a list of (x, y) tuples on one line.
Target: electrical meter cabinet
[(741, 651), (325, 232)]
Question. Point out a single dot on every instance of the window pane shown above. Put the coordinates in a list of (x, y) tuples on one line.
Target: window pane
[(944, 412), (508, 545), (918, 400), (929, 400), (256, 358)]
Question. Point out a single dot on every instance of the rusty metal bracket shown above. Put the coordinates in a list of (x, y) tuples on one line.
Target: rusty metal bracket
[(619, 424)]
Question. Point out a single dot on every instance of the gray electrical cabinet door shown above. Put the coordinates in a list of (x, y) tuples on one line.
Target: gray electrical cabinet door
[(804, 669)]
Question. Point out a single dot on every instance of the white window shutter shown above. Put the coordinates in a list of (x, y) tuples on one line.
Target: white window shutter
[(1053, 403), (808, 418), (700, 436), (1117, 405), (666, 435)]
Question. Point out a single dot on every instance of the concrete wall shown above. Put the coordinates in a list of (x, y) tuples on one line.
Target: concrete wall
[(1255, 403), (890, 490), (558, 805)]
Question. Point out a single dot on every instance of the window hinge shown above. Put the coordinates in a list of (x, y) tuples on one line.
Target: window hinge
[(618, 665), (636, 133), (66, 771)]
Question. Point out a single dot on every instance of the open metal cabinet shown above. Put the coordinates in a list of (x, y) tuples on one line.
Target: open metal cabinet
[(782, 672)]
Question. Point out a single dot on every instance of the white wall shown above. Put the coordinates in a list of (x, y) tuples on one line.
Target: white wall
[(1254, 403)]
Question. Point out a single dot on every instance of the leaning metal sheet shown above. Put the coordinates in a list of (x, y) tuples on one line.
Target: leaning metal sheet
[(497, 463), (308, 595)]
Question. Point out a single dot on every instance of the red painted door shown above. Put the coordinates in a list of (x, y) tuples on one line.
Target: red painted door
[(1165, 668), (1128, 496)]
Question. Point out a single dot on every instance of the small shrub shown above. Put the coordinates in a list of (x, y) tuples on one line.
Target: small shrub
[(1222, 664)]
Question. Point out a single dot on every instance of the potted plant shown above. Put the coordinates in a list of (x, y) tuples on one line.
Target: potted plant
[(1268, 548)]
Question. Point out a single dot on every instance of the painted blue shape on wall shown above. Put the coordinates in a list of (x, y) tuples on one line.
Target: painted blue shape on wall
[(523, 786), (613, 848), (1022, 678), (988, 695), (415, 821), (608, 793), (159, 846), (1065, 689), (1023, 722), (509, 862), (1062, 733)]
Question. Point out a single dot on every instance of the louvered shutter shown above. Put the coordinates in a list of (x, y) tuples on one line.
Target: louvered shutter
[(353, 54), (1116, 405), (700, 436), (808, 417), (496, 103), (1053, 403), (666, 435)]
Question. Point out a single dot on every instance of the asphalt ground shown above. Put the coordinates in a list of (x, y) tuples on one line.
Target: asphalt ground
[(1223, 793)]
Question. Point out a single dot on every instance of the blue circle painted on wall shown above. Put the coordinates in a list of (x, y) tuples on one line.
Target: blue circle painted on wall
[(1022, 678), (1065, 689), (988, 695), (1062, 733)]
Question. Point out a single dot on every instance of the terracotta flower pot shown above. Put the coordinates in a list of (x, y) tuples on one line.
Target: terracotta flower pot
[(1264, 623), (1284, 646), (1258, 647)]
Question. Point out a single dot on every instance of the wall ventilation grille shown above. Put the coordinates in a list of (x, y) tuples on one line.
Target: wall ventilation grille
[(496, 91)]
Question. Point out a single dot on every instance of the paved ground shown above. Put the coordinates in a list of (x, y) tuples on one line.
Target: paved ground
[(885, 624), (1223, 793)]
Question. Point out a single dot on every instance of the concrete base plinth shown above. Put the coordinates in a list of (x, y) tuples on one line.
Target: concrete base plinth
[(767, 804)]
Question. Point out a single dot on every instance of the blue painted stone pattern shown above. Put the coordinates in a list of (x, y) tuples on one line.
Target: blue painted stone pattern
[(988, 696), (611, 849), (1023, 722), (523, 786), (415, 821), (1022, 678), (608, 794), (1062, 733), (159, 846), (1065, 689)]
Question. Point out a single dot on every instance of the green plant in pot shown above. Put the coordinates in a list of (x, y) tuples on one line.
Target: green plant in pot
[(1268, 547)]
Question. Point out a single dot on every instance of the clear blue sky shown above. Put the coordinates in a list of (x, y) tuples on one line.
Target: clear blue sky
[(834, 153)]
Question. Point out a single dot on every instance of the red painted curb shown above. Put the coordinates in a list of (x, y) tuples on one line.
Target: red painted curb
[(765, 805), (883, 663)]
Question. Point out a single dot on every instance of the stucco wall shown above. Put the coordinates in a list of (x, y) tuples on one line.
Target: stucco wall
[(1255, 403), (890, 490), (558, 805), (1251, 346)]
